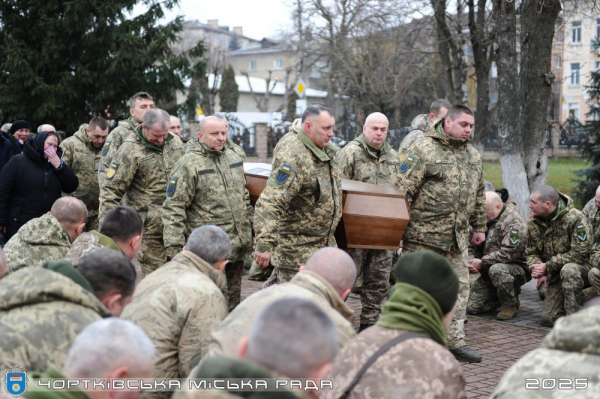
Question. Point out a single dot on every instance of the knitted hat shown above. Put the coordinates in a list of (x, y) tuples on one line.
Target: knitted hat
[(18, 125), (65, 268), (432, 273)]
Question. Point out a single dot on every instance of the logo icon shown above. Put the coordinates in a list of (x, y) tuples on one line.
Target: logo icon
[(16, 381)]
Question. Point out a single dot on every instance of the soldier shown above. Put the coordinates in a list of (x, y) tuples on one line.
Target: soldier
[(121, 231), (405, 353), (42, 309), (302, 203), (194, 142), (421, 123), (500, 261), (592, 211), (106, 349), (139, 104), (208, 186), (559, 243), (175, 125), (82, 153), (48, 237), (139, 174), (325, 280), (443, 178), (178, 304), (369, 159), (570, 350)]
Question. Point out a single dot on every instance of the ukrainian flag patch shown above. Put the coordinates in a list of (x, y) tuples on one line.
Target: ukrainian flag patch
[(581, 233), (106, 147), (407, 163), (514, 236), (283, 174), (172, 186)]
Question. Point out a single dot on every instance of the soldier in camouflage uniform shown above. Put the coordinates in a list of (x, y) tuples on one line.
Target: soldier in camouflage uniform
[(421, 123), (500, 260), (592, 212), (139, 103), (82, 153), (48, 237), (443, 178), (302, 203), (208, 186), (369, 159), (569, 356), (560, 239), (138, 176), (121, 231), (43, 309), (184, 299)]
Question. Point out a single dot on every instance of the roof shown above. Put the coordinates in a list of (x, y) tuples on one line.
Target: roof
[(194, 24), (259, 85)]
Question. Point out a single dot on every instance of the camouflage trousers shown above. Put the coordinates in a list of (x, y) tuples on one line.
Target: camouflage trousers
[(564, 295), (152, 254), (375, 266), (594, 280), (458, 260), (497, 287), (258, 273), (279, 276), (234, 272)]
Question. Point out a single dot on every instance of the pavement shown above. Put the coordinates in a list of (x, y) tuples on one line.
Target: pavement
[(500, 343)]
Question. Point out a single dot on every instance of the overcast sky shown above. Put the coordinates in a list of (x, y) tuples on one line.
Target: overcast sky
[(259, 18)]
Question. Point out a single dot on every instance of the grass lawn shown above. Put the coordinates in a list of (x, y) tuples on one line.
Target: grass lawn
[(561, 173)]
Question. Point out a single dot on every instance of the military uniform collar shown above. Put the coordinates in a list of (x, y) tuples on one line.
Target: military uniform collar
[(319, 153), (140, 134), (211, 151), (106, 241), (83, 136), (438, 133), (216, 276), (372, 151)]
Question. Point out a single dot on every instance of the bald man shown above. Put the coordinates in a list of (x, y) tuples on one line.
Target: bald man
[(325, 280), (369, 159), (500, 261), (175, 125)]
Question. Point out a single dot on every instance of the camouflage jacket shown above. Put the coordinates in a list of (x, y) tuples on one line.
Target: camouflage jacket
[(194, 142), (208, 187), (571, 351), (417, 368), (39, 240), (419, 128), (505, 240), (88, 242), (125, 130), (138, 177), (305, 285), (592, 212), (84, 159), (443, 179), (177, 305), (565, 238), (359, 162), (302, 203), (41, 313)]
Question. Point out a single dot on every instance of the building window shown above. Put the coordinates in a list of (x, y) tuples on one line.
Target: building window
[(597, 66), (278, 64), (253, 66), (558, 62), (576, 32), (574, 111), (597, 29), (559, 36), (574, 74)]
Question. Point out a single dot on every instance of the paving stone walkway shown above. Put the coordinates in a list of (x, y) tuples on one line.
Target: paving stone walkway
[(500, 343)]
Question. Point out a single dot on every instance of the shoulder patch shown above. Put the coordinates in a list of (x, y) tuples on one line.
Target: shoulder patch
[(283, 174), (581, 234), (112, 170), (407, 163), (106, 147), (514, 236), (172, 186)]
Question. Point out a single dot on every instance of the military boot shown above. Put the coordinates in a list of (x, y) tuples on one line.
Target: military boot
[(466, 354), (507, 313)]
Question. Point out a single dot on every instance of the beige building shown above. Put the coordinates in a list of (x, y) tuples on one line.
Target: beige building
[(580, 27), (267, 58), (217, 38)]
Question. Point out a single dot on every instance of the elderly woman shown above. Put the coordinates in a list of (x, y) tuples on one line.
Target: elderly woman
[(31, 182)]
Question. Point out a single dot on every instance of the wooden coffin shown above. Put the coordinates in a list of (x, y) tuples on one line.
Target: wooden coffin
[(374, 217)]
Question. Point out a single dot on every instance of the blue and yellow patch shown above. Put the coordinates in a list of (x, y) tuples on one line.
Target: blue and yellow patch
[(172, 186), (106, 147), (112, 169), (581, 233), (513, 239), (283, 174), (407, 163)]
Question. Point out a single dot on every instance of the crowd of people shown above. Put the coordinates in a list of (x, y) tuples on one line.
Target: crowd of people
[(125, 253)]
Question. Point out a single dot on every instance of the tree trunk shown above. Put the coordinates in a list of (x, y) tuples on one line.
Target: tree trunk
[(444, 37)]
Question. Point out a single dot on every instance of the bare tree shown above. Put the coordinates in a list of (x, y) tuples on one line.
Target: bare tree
[(262, 101)]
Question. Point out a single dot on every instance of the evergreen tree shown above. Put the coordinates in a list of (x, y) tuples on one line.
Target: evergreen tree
[(229, 93), (234, 43), (63, 62), (290, 114)]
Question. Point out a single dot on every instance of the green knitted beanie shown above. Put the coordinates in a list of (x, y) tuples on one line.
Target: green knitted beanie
[(65, 268), (432, 273)]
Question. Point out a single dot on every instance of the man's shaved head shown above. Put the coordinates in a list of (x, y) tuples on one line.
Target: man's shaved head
[(335, 266), (376, 116), (494, 205), (547, 194)]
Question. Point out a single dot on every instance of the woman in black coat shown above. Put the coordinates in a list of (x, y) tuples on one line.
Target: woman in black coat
[(30, 182)]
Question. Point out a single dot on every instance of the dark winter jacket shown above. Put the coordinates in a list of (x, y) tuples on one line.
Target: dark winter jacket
[(29, 185), (8, 148)]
